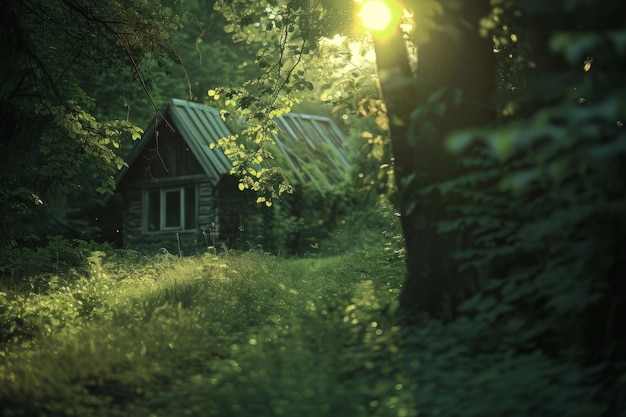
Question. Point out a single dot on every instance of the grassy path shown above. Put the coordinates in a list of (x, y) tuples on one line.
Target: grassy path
[(237, 335), (253, 335)]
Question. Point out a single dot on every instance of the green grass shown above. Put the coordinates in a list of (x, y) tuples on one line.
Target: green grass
[(250, 334), (246, 334)]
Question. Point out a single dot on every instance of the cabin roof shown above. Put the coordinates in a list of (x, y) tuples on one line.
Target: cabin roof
[(198, 125), (311, 148)]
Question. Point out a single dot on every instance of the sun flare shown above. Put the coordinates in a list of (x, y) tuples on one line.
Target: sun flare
[(376, 15)]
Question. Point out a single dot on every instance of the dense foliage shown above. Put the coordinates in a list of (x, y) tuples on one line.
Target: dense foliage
[(544, 200), (530, 211), (516, 220), (248, 334), (57, 153)]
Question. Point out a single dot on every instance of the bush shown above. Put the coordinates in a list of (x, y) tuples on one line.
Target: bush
[(29, 269)]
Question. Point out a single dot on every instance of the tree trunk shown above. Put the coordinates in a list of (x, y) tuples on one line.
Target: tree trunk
[(466, 62)]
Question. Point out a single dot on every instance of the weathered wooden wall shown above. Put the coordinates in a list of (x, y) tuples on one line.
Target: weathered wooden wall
[(237, 213), (166, 163), (135, 235), (224, 215)]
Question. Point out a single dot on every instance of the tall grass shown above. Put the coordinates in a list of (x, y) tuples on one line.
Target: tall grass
[(247, 335), (250, 334)]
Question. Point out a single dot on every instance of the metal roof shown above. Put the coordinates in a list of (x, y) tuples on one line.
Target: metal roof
[(305, 142), (199, 125), (314, 149)]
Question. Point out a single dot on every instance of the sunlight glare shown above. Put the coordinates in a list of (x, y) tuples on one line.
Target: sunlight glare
[(376, 15)]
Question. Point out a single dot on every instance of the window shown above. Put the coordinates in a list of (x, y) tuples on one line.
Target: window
[(170, 209)]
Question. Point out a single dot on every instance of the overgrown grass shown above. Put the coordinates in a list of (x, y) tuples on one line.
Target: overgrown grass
[(246, 334), (251, 334)]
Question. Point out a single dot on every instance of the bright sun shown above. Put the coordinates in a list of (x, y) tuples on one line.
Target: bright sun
[(376, 15)]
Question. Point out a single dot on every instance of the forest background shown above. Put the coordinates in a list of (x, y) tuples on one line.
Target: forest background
[(520, 215)]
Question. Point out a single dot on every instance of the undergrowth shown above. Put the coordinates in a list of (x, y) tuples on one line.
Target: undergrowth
[(252, 334), (245, 334)]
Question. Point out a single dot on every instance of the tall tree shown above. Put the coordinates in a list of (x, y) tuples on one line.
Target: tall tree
[(513, 80), (455, 80), (452, 91)]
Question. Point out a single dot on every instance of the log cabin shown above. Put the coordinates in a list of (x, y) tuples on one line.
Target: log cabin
[(177, 190)]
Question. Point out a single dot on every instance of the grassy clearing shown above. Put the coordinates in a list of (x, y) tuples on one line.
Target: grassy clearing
[(247, 334), (250, 334)]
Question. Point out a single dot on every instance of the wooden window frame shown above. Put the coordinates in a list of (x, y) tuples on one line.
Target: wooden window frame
[(182, 211)]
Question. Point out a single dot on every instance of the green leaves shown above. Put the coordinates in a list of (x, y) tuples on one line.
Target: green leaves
[(424, 118), (97, 141), (62, 147), (575, 47), (538, 209)]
